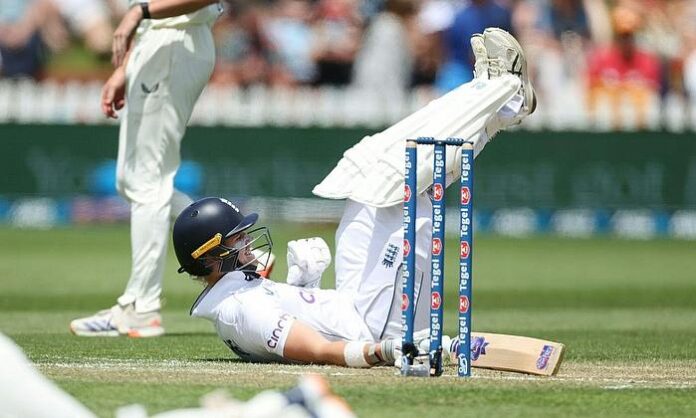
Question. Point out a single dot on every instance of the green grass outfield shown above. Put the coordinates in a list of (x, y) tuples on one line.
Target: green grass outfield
[(626, 311)]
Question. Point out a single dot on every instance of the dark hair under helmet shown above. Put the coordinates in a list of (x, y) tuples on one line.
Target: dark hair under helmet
[(202, 226)]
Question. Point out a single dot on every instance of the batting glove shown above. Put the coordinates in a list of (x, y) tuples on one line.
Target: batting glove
[(307, 260)]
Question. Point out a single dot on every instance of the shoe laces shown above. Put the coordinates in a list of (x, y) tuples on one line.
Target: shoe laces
[(481, 68), (499, 66), (496, 67)]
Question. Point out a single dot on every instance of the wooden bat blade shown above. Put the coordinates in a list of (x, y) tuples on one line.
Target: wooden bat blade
[(516, 353)]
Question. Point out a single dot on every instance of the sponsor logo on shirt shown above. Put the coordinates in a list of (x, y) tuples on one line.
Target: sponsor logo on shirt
[(278, 331), (307, 296)]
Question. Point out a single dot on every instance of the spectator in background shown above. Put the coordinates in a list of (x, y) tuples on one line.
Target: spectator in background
[(689, 16), (434, 18), (690, 74), (385, 61), (91, 21), (623, 73), (241, 47), (558, 33), (565, 16), (290, 37), (337, 39), (476, 16), (27, 27), (664, 32)]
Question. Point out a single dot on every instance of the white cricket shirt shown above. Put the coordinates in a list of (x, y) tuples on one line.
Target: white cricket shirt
[(253, 316)]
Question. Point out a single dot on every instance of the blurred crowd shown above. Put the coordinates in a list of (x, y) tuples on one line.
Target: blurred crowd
[(613, 54), (33, 31)]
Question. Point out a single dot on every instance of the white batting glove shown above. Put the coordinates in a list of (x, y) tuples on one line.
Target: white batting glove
[(421, 339), (307, 260)]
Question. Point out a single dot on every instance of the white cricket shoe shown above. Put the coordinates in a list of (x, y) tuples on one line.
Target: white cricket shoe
[(119, 320), (481, 55), (505, 56)]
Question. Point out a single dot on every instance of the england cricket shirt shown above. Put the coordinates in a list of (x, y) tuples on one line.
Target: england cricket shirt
[(253, 316)]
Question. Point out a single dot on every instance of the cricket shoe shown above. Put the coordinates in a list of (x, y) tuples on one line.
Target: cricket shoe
[(479, 48), (119, 320), (506, 56)]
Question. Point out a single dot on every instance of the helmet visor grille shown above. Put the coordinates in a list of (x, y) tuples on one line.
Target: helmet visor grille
[(250, 252)]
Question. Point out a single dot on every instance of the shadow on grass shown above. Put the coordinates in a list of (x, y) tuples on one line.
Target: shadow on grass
[(220, 360), (189, 334)]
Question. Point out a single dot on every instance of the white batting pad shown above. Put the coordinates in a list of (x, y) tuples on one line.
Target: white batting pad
[(372, 171)]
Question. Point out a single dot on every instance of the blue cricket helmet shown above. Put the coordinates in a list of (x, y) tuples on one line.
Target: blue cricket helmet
[(202, 228)]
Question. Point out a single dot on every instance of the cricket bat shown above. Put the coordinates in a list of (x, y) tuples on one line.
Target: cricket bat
[(515, 353)]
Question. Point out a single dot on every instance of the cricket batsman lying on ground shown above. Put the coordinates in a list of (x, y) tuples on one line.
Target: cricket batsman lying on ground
[(358, 324)]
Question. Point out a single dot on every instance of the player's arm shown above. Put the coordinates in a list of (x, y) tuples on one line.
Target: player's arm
[(113, 95), (156, 9), (306, 345)]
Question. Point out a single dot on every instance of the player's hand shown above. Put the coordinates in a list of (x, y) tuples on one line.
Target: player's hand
[(449, 345), (123, 35), (389, 352), (113, 95), (307, 260)]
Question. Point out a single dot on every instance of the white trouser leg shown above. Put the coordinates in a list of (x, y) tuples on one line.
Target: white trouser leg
[(179, 202), (372, 172), (353, 236), (369, 254), (24, 392), (167, 72)]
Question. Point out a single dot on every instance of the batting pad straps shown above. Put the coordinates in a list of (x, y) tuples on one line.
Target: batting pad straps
[(354, 355)]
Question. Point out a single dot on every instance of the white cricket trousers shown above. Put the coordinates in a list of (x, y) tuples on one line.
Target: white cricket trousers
[(368, 262), (369, 238), (26, 393), (166, 73), (372, 171)]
